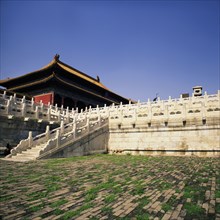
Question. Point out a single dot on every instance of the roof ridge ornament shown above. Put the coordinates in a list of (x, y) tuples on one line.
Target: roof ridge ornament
[(56, 57), (97, 79)]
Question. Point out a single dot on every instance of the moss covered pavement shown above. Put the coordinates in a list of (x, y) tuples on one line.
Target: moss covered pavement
[(111, 187)]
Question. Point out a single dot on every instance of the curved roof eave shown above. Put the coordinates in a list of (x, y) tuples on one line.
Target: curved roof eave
[(5, 81), (33, 83)]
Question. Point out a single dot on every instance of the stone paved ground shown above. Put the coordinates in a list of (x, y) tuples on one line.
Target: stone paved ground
[(111, 187)]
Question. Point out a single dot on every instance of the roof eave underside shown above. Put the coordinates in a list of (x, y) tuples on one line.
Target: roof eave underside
[(53, 76)]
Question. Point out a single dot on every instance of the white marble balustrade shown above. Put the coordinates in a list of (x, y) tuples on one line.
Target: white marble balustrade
[(74, 124)]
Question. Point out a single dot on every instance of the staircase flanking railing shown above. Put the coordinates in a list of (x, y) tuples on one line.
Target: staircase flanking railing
[(62, 140)]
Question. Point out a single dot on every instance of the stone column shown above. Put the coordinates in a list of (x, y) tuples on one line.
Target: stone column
[(49, 112), (47, 132), (30, 139), (58, 138), (8, 107), (23, 110), (4, 95), (59, 116), (37, 112), (74, 130), (62, 127), (23, 99), (32, 104)]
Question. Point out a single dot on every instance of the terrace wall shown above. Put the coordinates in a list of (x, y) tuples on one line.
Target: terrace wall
[(189, 140), (188, 126)]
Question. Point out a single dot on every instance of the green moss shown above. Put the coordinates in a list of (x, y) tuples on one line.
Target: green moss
[(106, 210), (144, 216), (110, 198), (71, 214), (194, 211), (89, 197), (194, 192), (166, 207), (58, 203), (53, 187), (143, 202), (138, 190), (37, 207), (68, 215), (217, 194), (4, 198), (58, 211), (217, 208), (37, 195)]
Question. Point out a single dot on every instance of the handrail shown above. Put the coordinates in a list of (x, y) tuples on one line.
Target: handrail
[(52, 147)]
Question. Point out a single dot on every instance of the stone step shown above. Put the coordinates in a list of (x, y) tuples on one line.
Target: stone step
[(29, 154), (23, 156), (17, 159), (31, 151), (35, 149)]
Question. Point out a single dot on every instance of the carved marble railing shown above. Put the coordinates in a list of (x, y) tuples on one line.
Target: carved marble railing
[(182, 108), (163, 110), (82, 124), (21, 107), (64, 139)]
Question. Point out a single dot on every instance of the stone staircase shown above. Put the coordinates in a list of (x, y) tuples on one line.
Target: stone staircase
[(27, 155), (36, 147)]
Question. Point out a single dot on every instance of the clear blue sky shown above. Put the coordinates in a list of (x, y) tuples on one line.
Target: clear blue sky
[(138, 48)]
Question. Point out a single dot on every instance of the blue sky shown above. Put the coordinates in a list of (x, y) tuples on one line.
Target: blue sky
[(138, 48)]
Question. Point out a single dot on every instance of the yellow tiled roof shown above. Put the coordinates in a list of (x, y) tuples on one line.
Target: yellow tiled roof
[(65, 67)]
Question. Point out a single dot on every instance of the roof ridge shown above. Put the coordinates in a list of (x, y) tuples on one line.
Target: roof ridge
[(59, 61)]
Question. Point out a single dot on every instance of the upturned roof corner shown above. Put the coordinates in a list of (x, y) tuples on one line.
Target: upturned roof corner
[(56, 57)]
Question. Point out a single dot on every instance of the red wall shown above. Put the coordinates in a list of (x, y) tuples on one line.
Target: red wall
[(45, 98)]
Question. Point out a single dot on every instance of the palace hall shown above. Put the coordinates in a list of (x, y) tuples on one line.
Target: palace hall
[(61, 84)]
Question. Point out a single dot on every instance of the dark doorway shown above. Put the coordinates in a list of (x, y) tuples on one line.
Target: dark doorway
[(57, 100), (68, 102), (81, 105)]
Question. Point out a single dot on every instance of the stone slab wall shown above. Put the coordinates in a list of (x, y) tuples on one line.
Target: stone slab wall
[(14, 129), (167, 139)]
